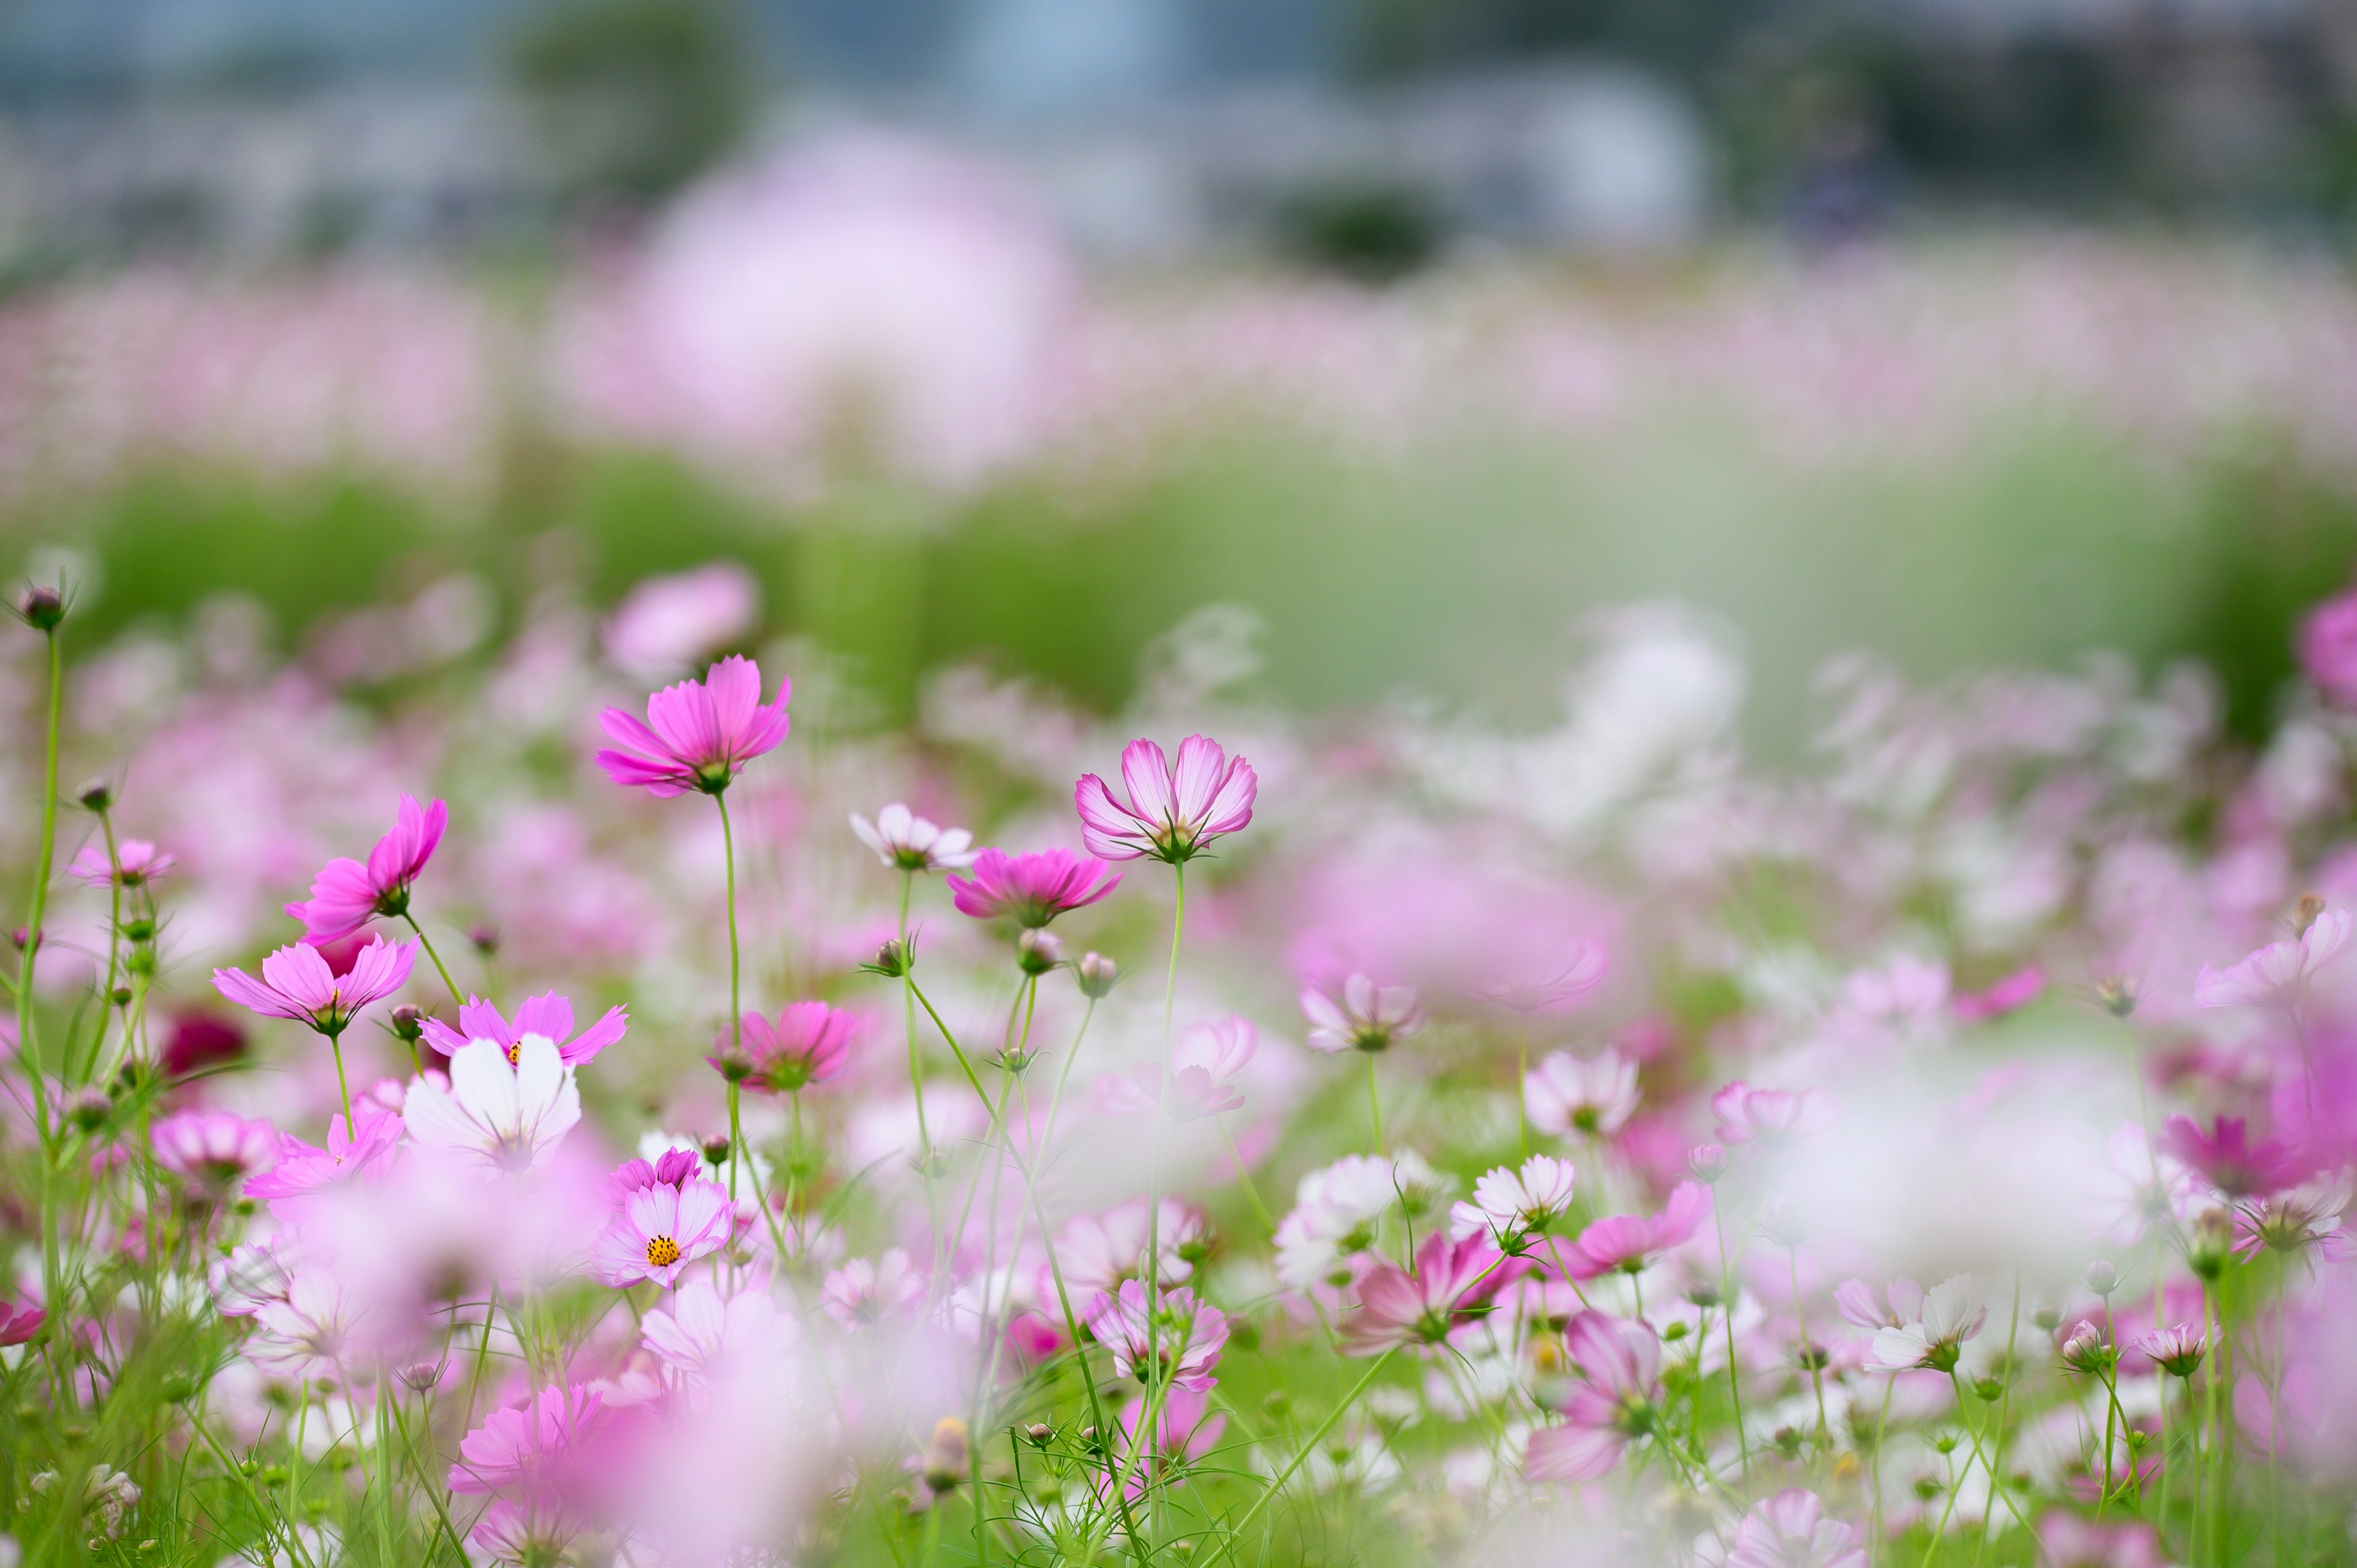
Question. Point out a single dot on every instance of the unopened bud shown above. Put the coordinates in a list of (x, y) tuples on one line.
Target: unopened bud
[(408, 1021), (1707, 1162), (2047, 1318), (2103, 1279), (96, 796), (22, 938), (421, 1376), (42, 606), (89, 1110), (2211, 1245), (2303, 914), (120, 996), (1039, 1432), (946, 1455), (892, 960), (2084, 1350), (2115, 994), (484, 939), (716, 1149), (1038, 951), (1096, 975)]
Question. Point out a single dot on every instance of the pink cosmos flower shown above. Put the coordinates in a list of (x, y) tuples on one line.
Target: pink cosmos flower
[(1031, 888), (1595, 1099), (2071, 1541), (1511, 1205), (698, 1335), (1858, 1303), (906, 841), (18, 1325), (522, 1449), (2304, 1216), (548, 1015), (1368, 1018), (2276, 975), (1184, 1433), (1186, 1336), (2327, 648), (298, 983), (2177, 1349), (664, 623), (1097, 1251), (1203, 1065), (303, 1167), (1550, 987), (309, 1333), (808, 1044), (2228, 1158), (497, 1115), (1747, 1114), (1614, 1402), (1452, 1284), (698, 735), (1630, 1243), (538, 1530), (136, 864), (213, 1148), (675, 1168), (2012, 994), (661, 1230), (1790, 1531), (1174, 812), (862, 1294), (345, 895)]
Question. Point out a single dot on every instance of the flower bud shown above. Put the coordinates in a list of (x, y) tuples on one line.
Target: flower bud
[(716, 1149), (1707, 1163), (421, 1377), (946, 1456), (120, 996), (2103, 1279), (2310, 906), (2084, 1350), (1037, 951), (484, 939), (96, 796), (2117, 994), (2211, 1243), (1039, 1433), (42, 606), (88, 1110), (1096, 975), (892, 960), (408, 1021), (22, 938), (2047, 1318)]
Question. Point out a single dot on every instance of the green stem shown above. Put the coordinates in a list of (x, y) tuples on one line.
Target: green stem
[(1310, 1447), (916, 1072), (1374, 1103), (1243, 1175), (427, 943), (1726, 1305), (343, 1085), (735, 1007), (28, 1050), (1153, 1263)]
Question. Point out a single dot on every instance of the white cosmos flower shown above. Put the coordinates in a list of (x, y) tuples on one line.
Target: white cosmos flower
[(1952, 1312), (503, 1117), (906, 841)]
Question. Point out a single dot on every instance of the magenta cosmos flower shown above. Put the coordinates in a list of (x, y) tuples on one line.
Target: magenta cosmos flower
[(1452, 1284), (19, 1324), (698, 735), (1032, 889), (809, 1044), (347, 894), (1615, 1401), (1184, 1335), (548, 1017), (1174, 812), (661, 1230), (2327, 648), (213, 1148), (1630, 1243), (136, 864), (298, 983), (2229, 1159)]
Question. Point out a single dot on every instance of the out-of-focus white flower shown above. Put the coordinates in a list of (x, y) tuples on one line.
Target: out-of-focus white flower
[(497, 1115), (666, 624)]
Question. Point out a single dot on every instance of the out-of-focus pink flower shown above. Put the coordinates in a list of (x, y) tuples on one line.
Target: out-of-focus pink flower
[(1203, 1065), (1183, 1338), (298, 983), (1097, 1251), (1615, 1403), (1185, 1431), (312, 1332), (2144, 1186), (18, 1325), (2327, 648), (2070, 1540), (1747, 1114), (214, 1148), (661, 1230), (2301, 1216), (497, 1115), (1551, 986), (521, 1450), (303, 1167), (548, 1015), (2228, 1158), (1932, 1330), (1630, 1243), (698, 735), (199, 1040), (809, 1044), (1595, 1099), (1032, 889), (906, 841), (699, 1335), (1368, 1018), (347, 894), (2012, 994), (1174, 812), (664, 624), (1858, 1303), (2276, 975), (536, 1530), (862, 1294), (1511, 1205), (1452, 1284), (2177, 1349), (136, 864), (1790, 1531)]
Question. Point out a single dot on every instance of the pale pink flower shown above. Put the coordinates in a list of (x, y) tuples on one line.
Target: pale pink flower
[(250, 1278), (2143, 1186), (298, 983), (1595, 1099), (213, 1148), (496, 1114), (1336, 1212), (665, 623), (1747, 1114), (1185, 1431), (1790, 1531), (2327, 648), (2068, 1540), (862, 1294), (660, 1231), (673, 1168), (347, 894), (522, 1449), (2276, 975), (2012, 994), (307, 1334), (1933, 1335), (1548, 988), (1097, 1251), (548, 1015), (1182, 1339), (809, 1044), (1614, 1401), (526, 1534), (1368, 1018), (2304, 1216), (1173, 812), (1452, 1284), (1203, 1065), (1031, 890), (303, 1167), (698, 735), (1630, 1243), (2177, 1349), (136, 864), (906, 841), (698, 1335), (1902, 1303), (1511, 1205)]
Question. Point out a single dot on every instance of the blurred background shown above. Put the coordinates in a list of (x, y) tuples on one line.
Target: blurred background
[(1390, 341)]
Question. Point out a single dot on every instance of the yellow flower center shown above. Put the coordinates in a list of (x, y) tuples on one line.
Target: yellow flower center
[(662, 1252)]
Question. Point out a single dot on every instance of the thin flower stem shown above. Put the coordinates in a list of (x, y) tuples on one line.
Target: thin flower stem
[(1816, 1370), (1243, 1175), (1727, 1301), (1522, 1100), (1374, 1103), (427, 943), (2004, 1422), (343, 1085), (1310, 1446), (735, 1007), (1147, 1431), (28, 1050), (916, 1071)]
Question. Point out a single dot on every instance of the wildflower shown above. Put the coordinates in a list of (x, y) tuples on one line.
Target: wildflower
[(347, 894), (664, 623), (1181, 1340), (298, 983), (1931, 1333), (1173, 814), (1631, 1243), (526, 1535), (1617, 1401), (136, 864), (1336, 1214), (809, 1044), (1096, 975), (1038, 951), (945, 1464), (1368, 1017), (521, 1448), (698, 1335), (1203, 1067), (2327, 648), (906, 841), (18, 1325), (303, 1167), (2287, 1221), (1512, 1206), (2177, 1349), (1097, 1251), (1184, 1432), (2071, 1541), (1747, 1115), (698, 735), (2086, 1351), (1032, 889), (673, 1168), (1548, 991), (1452, 1284), (307, 1333), (2276, 975), (2143, 1187), (109, 1498), (861, 1294), (661, 1230), (2228, 1158), (213, 1149), (547, 1016), (502, 1115), (1595, 1099), (199, 1040), (1790, 1531), (2012, 994), (1707, 1163)]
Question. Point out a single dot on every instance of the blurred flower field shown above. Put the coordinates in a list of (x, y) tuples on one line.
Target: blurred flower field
[(830, 893)]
